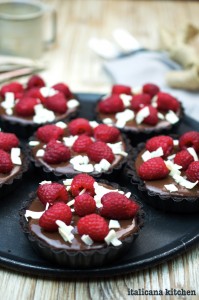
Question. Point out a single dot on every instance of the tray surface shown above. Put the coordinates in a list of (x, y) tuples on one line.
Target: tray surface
[(163, 236)]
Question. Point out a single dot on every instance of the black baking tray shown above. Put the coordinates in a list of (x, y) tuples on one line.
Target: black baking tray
[(163, 237)]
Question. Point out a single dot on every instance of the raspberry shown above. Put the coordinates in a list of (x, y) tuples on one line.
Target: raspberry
[(56, 153), (112, 104), (8, 141), (80, 126), (139, 101), (152, 169), (93, 225), (167, 102), (107, 134), (192, 172), (183, 158), (58, 211), (25, 106), (14, 87), (63, 88), (121, 89), (52, 192), (82, 143), (164, 141), (81, 182), (35, 81), (99, 150), (152, 119), (57, 103), (117, 206), (84, 205), (50, 132), (6, 164), (189, 139), (35, 93), (151, 89)]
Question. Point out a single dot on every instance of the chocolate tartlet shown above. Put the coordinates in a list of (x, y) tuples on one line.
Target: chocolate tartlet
[(140, 112), (81, 144), (23, 108), (176, 191), (13, 163), (75, 251)]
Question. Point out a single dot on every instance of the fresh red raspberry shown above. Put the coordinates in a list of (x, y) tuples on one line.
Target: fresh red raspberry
[(82, 143), (121, 89), (63, 88), (49, 132), (139, 101), (8, 141), (189, 139), (192, 172), (14, 87), (167, 102), (81, 182), (56, 153), (112, 104), (58, 211), (183, 158), (84, 205), (80, 126), (35, 81), (164, 141), (107, 134), (151, 89), (25, 106), (93, 225), (152, 169), (152, 119), (117, 206), (35, 93), (99, 150), (57, 103), (6, 164), (52, 192)]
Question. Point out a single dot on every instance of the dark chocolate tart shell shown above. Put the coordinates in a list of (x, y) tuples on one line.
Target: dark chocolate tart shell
[(167, 203), (9, 185), (52, 174), (86, 258), (137, 136)]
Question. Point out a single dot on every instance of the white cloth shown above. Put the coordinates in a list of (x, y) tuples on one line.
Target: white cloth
[(150, 67)]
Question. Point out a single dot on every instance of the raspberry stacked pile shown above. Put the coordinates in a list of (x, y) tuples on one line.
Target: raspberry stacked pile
[(22, 100), (83, 215), (181, 160), (149, 105), (80, 140)]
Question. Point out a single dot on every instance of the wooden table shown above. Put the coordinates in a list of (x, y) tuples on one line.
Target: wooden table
[(71, 61)]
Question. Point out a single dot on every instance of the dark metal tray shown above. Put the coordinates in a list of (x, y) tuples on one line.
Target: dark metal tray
[(163, 236)]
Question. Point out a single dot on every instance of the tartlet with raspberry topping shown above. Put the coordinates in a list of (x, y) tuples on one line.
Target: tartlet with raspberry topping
[(79, 146), (13, 162), (166, 171), (141, 112), (23, 108), (81, 222)]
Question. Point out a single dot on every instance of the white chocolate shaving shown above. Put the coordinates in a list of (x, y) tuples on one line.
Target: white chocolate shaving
[(87, 240), (15, 156), (142, 114), (114, 224), (171, 187), (65, 231), (171, 117), (111, 238)]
